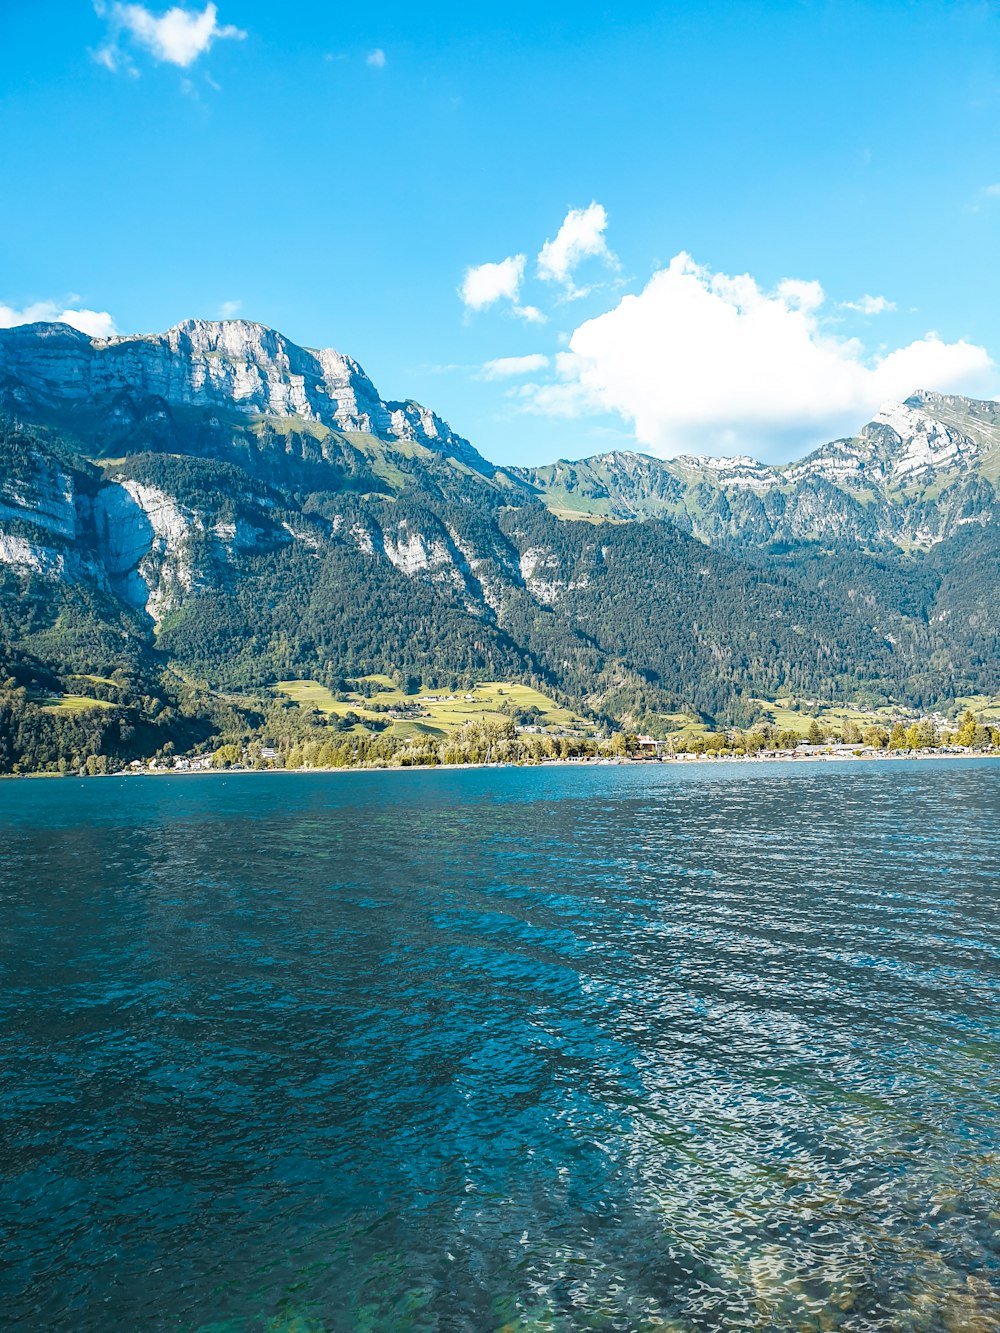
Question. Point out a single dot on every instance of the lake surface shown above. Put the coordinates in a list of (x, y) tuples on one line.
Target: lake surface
[(638, 1048)]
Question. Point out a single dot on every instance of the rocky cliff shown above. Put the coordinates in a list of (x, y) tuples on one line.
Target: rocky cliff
[(107, 386)]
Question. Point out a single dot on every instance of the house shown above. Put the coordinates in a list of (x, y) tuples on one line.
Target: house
[(652, 749), (268, 752)]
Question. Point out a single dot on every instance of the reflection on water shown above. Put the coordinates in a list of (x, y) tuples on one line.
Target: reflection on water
[(651, 1049)]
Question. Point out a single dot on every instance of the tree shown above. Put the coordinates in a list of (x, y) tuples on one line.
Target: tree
[(927, 734), (897, 738), (966, 733)]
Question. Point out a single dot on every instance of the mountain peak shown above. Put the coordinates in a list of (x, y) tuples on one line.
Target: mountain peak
[(234, 365)]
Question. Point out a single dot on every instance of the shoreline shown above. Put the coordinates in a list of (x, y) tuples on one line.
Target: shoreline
[(677, 761)]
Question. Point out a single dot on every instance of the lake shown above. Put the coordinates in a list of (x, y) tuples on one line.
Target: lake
[(707, 1047)]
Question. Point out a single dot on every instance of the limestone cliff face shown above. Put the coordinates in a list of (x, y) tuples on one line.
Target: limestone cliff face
[(144, 540), (121, 535), (229, 366), (40, 493)]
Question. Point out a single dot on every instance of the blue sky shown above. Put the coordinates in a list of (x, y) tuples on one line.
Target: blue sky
[(755, 214)]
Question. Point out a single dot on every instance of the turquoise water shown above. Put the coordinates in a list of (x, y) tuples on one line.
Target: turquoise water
[(629, 1048)]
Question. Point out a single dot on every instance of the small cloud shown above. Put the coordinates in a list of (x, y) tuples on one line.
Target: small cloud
[(869, 305), (94, 323), (507, 367), (106, 56), (992, 191), (485, 284), (177, 37), (580, 237), (229, 309), (530, 314), (376, 58)]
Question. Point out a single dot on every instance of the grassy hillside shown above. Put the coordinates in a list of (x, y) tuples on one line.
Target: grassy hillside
[(434, 714)]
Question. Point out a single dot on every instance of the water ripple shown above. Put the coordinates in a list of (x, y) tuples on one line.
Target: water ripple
[(666, 1049)]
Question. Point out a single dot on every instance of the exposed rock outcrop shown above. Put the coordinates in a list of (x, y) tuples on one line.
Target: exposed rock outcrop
[(231, 366)]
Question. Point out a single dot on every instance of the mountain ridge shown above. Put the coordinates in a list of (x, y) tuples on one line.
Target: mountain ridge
[(155, 510), (254, 369), (907, 478), (233, 365)]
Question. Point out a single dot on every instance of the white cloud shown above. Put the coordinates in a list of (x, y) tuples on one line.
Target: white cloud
[(177, 37), (530, 314), (229, 309), (507, 367), (95, 323), (376, 58), (580, 237), (703, 362), (486, 284), (801, 295), (869, 305), (992, 191)]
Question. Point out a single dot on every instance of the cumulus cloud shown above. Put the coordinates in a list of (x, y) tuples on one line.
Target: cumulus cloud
[(869, 305), (376, 58), (95, 323), (580, 237), (177, 37), (485, 284), (230, 309), (703, 362), (508, 367)]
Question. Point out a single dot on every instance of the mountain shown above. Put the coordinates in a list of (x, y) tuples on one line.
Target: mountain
[(914, 475), (159, 385), (187, 517)]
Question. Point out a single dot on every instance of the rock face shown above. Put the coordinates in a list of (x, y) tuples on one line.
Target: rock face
[(232, 366), (157, 534)]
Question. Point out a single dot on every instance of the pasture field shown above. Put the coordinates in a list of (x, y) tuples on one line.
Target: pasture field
[(70, 703), (985, 707), (783, 714), (439, 711), (443, 712)]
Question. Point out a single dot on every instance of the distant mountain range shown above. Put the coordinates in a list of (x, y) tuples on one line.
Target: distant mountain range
[(218, 506), (914, 475)]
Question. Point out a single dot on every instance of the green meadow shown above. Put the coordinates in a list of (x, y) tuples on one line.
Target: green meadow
[(440, 711), (70, 703)]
